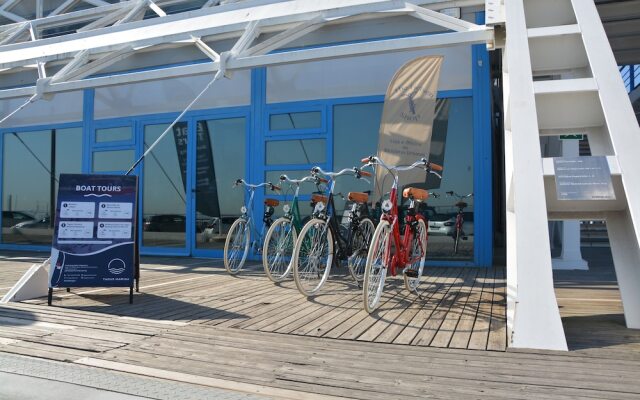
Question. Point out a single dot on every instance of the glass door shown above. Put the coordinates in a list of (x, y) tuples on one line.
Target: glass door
[(220, 159), (164, 186)]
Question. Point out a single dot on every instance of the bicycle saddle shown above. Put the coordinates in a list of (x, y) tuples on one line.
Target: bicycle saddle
[(461, 204), (415, 194), (271, 202), (358, 197), (319, 198)]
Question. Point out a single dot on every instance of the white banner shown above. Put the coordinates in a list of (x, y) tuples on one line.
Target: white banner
[(407, 119)]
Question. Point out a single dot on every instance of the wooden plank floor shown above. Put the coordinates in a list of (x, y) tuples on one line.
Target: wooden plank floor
[(194, 323), (201, 292)]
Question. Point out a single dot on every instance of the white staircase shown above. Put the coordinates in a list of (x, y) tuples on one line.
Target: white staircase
[(561, 77)]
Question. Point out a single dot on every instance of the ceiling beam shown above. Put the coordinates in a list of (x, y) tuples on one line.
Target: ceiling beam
[(306, 55), (274, 17)]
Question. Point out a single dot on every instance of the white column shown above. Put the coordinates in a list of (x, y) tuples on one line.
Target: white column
[(571, 257)]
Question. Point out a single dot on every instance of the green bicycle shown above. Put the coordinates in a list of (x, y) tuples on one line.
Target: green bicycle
[(282, 234)]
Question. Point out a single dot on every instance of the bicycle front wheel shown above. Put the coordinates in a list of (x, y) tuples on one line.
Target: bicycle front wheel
[(312, 256), (278, 248), (375, 272), (360, 248), (418, 252), (236, 247)]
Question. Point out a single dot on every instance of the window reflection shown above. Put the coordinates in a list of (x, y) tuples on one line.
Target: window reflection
[(164, 187), (32, 164), (307, 151), (295, 120), (221, 158), (356, 126), (119, 134), (114, 160)]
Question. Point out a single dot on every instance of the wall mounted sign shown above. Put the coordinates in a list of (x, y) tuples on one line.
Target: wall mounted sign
[(94, 239), (583, 178)]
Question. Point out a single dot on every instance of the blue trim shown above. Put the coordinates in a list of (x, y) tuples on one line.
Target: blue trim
[(36, 128), (87, 128), (482, 154)]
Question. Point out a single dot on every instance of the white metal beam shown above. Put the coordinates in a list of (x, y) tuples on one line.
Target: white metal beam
[(286, 36), (228, 20), (97, 3), (15, 33), (12, 16), (297, 56), (159, 11), (208, 51), (63, 7), (445, 21)]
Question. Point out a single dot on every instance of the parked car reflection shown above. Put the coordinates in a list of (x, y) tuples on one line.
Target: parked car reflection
[(11, 218), (165, 223)]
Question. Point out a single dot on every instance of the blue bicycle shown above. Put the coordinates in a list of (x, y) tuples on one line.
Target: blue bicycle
[(238, 243)]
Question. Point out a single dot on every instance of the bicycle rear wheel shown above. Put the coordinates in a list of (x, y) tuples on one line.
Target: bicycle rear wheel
[(236, 247), (376, 268), (313, 256), (360, 247), (278, 249), (418, 252)]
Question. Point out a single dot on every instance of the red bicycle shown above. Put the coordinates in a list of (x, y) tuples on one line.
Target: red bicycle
[(410, 250), (458, 232)]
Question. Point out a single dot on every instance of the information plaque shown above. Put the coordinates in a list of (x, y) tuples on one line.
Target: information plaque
[(583, 178), (94, 240)]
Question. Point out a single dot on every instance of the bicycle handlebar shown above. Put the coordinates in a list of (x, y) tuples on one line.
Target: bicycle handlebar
[(285, 178), (250, 186), (428, 166), (357, 172), (459, 196)]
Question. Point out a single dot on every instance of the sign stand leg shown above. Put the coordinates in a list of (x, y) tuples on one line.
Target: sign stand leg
[(131, 294), (68, 290), (50, 296)]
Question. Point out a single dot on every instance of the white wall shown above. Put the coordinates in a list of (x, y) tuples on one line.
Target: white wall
[(360, 76), (63, 107), (171, 95)]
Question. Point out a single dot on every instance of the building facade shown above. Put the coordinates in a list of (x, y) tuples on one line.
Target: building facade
[(256, 124)]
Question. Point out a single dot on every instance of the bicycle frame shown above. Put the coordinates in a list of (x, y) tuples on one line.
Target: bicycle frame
[(256, 237), (344, 244), (402, 243), (401, 256)]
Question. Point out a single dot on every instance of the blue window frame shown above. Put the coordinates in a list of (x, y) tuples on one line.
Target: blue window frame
[(258, 133)]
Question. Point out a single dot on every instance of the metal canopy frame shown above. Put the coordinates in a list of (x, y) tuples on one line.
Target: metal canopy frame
[(96, 46)]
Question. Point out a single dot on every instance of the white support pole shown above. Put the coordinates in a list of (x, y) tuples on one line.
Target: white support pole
[(536, 319), (571, 257), (626, 260), (621, 121)]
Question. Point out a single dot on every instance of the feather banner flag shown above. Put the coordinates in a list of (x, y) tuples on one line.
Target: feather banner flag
[(407, 119)]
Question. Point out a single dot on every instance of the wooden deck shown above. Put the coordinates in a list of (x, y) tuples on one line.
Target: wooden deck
[(194, 323)]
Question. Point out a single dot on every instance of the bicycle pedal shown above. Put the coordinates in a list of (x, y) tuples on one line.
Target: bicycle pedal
[(411, 273), (465, 238)]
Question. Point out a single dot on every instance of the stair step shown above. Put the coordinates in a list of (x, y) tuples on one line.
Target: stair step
[(565, 86)]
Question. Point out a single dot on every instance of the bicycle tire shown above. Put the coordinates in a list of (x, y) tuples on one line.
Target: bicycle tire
[(376, 267), (419, 242), (278, 261), (360, 248), (232, 262), (309, 254)]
